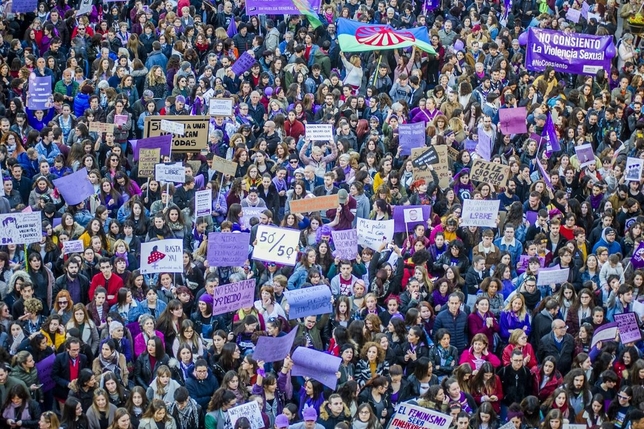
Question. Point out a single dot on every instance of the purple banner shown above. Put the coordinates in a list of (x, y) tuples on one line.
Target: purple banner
[(318, 365), (512, 121), (411, 136), (227, 249), (243, 63), (568, 52), (637, 260), (44, 368), (524, 262), (629, 331), (544, 173), (75, 187), (24, 6), (484, 146), (276, 7), (39, 96), (272, 349), (414, 215), (163, 142)]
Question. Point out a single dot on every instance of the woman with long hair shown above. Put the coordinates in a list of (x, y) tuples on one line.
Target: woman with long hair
[(148, 363), (136, 405), (72, 415), (372, 362), (86, 326), (217, 413), (19, 410), (559, 400), (162, 386), (23, 367), (546, 378), (101, 410), (515, 316), (157, 416), (169, 322), (109, 360), (486, 387)]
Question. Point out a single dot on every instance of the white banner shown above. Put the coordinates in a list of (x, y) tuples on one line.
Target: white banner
[(480, 212), (162, 256), (251, 411), (203, 202), (633, 171), (173, 127), (20, 228), (73, 246), (319, 132), (170, 173), (221, 107), (371, 233), (278, 245), (548, 277), (409, 416)]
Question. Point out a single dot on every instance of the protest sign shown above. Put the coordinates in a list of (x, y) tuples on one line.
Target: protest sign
[(120, 120), (407, 217), (569, 426), (452, 153), (175, 172), (512, 121), (573, 15), (162, 256), (221, 107), (315, 204), (249, 213), (556, 276), (163, 143), (173, 127), (585, 154), (75, 187), (203, 202), (317, 365), (371, 233), (233, 296), (20, 228), (276, 7), (606, 332), (633, 171), (441, 168), (243, 63), (309, 301), (45, 368), (278, 245), (409, 416), (73, 246), (272, 349), (195, 137), (428, 157), (84, 7), (346, 244), (574, 53), (638, 307), (637, 260), (524, 261), (490, 172), (19, 6), (228, 249), (480, 212), (319, 132), (629, 331), (411, 136), (251, 411), (148, 158), (224, 166), (39, 96), (485, 143), (99, 127), (585, 8)]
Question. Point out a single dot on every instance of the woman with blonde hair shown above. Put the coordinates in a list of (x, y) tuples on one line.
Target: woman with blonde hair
[(156, 82), (100, 410), (157, 416), (163, 386), (515, 315), (23, 367)]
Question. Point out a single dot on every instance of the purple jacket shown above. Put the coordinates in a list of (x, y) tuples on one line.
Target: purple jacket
[(509, 321)]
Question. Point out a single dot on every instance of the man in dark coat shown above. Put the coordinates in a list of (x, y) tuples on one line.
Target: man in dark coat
[(202, 384), (333, 412), (515, 379), (455, 321), (67, 367), (559, 345)]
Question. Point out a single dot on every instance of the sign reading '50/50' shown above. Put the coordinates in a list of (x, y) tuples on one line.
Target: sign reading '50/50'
[(195, 135)]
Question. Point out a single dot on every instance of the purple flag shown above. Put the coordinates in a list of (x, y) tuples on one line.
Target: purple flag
[(512, 121), (163, 142), (549, 136), (637, 260), (484, 146), (39, 96), (544, 173), (430, 5), (232, 29), (243, 63), (508, 6), (574, 53), (273, 7), (411, 136), (75, 187), (585, 8)]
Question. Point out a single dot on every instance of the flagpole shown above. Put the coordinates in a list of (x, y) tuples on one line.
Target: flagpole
[(375, 74)]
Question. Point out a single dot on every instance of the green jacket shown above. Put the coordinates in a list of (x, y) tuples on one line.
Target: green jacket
[(61, 88)]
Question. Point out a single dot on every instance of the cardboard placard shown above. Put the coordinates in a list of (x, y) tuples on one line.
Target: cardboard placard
[(495, 174), (224, 166), (195, 137), (441, 169), (148, 158), (99, 127), (307, 205)]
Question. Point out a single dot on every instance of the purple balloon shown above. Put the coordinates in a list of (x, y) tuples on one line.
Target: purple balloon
[(458, 45), (523, 38)]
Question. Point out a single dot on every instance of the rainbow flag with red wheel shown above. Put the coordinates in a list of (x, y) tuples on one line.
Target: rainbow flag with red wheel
[(355, 36)]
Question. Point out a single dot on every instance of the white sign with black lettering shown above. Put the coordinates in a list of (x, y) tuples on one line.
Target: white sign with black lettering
[(170, 173), (173, 127)]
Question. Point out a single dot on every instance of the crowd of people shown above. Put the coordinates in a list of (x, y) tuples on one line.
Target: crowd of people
[(446, 317)]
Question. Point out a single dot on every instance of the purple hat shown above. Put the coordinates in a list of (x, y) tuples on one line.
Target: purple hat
[(281, 421), (207, 298), (268, 91), (181, 99), (309, 414)]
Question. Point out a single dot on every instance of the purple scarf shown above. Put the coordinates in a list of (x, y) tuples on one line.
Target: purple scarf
[(11, 412)]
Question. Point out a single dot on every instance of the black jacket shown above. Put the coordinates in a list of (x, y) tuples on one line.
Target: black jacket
[(61, 284), (61, 376), (516, 384), (143, 371), (563, 352)]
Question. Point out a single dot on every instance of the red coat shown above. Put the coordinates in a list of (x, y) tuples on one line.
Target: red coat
[(295, 129), (498, 392), (527, 351), (550, 386), (476, 325), (468, 357), (113, 286)]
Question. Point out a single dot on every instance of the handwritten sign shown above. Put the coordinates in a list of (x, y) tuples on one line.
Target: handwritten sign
[(495, 174), (555, 276), (480, 212), (227, 249), (73, 246), (203, 202), (148, 158), (278, 245), (371, 233), (162, 256), (316, 365), (221, 107), (224, 166), (20, 228), (233, 296), (573, 15), (629, 331), (99, 127), (346, 244), (429, 156), (273, 349), (411, 136), (319, 132), (194, 138), (408, 416), (308, 205), (309, 301), (173, 127), (243, 63), (250, 410), (170, 172), (120, 120), (45, 368), (441, 168)]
